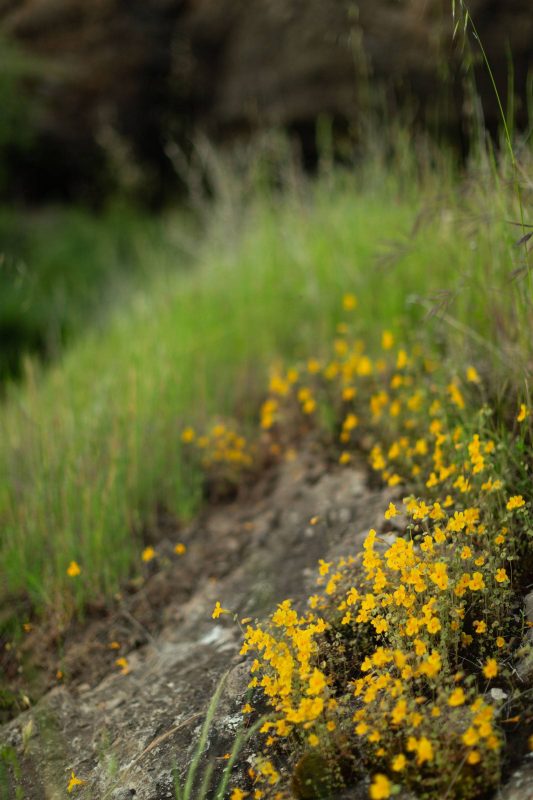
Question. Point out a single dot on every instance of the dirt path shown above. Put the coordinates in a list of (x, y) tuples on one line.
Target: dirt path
[(124, 734)]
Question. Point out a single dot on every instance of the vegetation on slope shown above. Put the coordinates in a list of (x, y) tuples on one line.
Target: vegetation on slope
[(90, 448), (409, 661)]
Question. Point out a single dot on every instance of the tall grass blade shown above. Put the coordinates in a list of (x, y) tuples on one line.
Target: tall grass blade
[(191, 773)]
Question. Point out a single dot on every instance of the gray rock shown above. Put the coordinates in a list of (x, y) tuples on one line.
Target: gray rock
[(520, 785), (122, 794)]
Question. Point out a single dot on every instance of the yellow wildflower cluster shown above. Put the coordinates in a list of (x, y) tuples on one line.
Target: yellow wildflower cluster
[(223, 452), (390, 666)]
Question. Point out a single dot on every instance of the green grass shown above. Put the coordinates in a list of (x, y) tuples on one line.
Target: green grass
[(62, 269), (90, 447)]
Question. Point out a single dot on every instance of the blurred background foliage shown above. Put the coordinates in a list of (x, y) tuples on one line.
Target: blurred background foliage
[(108, 109)]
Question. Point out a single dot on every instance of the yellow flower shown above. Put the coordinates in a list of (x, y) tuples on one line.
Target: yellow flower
[(457, 698), (187, 435), (180, 549), (391, 512), (238, 794), (402, 360), (523, 413), (399, 762), (500, 642), (470, 737), (424, 751), (73, 782), (349, 302), (517, 501), (218, 610), (455, 395), (472, 375), (387, 340), (345, 458), (433, 625), (247, 709), (73, 569), (148, 554), (380, 789), (473, 757), (313, 740), (501, 575), (476, 582), (317, 682), (490, 670), (123, 664)]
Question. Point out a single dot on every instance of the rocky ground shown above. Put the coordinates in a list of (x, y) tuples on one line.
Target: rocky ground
[(126, 735)]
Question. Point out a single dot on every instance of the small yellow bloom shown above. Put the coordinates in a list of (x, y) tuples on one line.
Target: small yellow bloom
[(345, 458), (123, 664), (218, 610), (517, 501), (148, 554), (238, 794), (523, 413), (349, 302), (73, 569), (476, 583), (472, 375), (73, 782), (323, 566), (187, 435), (474, 757), (313, 740), (457, 698), (387, 340), (180, 549), (247, 709), (490, 670), (424, 751), (500, 642), (501, 575), (399, 762), (470, 737), (391, 512), (380, 789)]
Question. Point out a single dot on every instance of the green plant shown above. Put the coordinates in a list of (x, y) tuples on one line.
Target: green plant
[(185, 787)]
